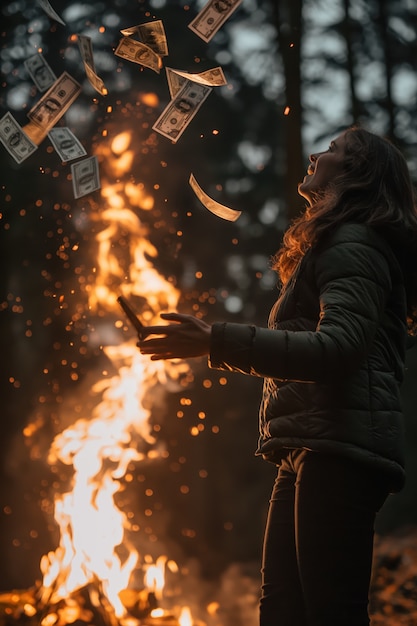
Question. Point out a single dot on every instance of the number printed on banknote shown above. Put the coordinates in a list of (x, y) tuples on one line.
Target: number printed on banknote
[(46, 6), (179, 112), (55, 102), (40, 72), (16, 142), (225, 212), (66, 144), (138, 52), (85, 176), (212, 17)]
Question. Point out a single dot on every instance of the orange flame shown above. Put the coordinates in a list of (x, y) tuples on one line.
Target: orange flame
[(185, 618), (100, 447)]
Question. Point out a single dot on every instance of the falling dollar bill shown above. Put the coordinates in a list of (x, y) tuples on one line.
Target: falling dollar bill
[(85, 176), (213, 77), (16, 142), (211, 17), (40, 72), (66, 144), (46, 6), (138, 52), (55, 102), (225, 212), (152, 34), (176, 116), (35, 133), (175, 82), (176, 79), (86, 49), (95, 81)]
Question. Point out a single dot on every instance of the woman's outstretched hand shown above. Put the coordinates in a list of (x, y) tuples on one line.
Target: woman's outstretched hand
[(187, 337)]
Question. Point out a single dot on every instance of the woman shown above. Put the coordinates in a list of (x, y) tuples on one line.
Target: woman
[(332, 359)]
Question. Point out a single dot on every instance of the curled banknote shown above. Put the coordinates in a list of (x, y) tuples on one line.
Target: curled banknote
[(85, 176), (46, 6), (212, 17), (40, 72), (16, 142), (55, 102), (176, 78), (152, 34), (86, 49), (179, 112), (138, 52), (66, 144), (225, 212)]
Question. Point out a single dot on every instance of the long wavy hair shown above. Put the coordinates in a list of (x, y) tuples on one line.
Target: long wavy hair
[(375, 188)]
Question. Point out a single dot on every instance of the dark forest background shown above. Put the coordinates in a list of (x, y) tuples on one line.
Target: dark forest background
[(298, 72)]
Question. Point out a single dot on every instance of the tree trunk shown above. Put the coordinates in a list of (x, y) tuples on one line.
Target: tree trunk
[(386, 49), (350, 63), (288, 20)]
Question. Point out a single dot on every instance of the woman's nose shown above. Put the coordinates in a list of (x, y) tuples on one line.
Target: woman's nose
[(313, 157)]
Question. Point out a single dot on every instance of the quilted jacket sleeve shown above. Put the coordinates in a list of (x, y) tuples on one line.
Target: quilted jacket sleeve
[(354, 281)]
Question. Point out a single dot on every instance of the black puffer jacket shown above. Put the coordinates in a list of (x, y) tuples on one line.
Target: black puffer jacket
[(332, 355)]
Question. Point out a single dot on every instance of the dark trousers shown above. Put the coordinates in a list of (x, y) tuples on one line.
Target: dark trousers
[(318, 543)]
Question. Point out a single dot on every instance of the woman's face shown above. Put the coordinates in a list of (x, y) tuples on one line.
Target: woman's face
[(323, 168)]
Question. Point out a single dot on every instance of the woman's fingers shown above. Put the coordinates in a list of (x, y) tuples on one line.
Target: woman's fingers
[(154, 330), (187, 336), (167, 328), (176, 317), (150, 345)]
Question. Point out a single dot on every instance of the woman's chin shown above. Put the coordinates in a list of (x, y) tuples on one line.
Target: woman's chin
[(303, 188)]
